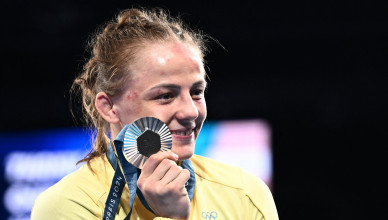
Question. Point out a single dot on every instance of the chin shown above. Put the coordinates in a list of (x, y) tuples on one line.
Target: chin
[(184, 152)]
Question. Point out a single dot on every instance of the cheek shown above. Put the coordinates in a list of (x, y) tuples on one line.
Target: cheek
[(163, 114), (202, 109), (134, 108), (203, 105), (131, 96), (133, 102), (131, 108)]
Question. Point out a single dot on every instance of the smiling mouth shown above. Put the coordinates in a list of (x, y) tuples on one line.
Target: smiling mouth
[(183, 133)]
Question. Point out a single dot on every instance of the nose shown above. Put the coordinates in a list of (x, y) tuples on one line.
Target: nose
[(187, 109)]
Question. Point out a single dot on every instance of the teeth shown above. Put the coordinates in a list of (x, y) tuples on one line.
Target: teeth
[(183, 133)]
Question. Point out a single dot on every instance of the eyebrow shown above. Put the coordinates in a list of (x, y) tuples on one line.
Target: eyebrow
[(200, 83), (174, 86)]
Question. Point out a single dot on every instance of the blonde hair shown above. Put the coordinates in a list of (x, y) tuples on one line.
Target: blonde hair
[(113, 50)]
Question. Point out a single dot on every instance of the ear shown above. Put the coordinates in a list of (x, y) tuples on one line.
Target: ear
[(104, 106)]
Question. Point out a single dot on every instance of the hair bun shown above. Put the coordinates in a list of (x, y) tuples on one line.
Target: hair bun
[(113, 50)]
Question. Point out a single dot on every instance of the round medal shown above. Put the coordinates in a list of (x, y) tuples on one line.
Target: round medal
[(144, 137)]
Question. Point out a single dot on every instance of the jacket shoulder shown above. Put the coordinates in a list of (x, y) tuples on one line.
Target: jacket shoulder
[(76, 195), (253, 187), (218, 172)]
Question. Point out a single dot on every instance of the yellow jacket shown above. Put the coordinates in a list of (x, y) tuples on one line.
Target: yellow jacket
[(221, 192)]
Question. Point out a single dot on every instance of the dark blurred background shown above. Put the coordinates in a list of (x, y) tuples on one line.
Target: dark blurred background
[(315, 70)]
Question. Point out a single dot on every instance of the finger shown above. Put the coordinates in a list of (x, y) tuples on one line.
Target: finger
[(162, 169), (171, 174), (154, 160), (181, 179)]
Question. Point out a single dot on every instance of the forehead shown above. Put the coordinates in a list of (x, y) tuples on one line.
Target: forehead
[(168, 56)]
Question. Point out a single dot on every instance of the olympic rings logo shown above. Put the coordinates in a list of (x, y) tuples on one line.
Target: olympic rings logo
[(209, 215)]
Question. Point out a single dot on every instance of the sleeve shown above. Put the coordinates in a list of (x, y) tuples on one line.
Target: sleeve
[(262, 204)]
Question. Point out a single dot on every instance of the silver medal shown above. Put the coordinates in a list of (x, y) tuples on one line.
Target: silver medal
[(145, 137)]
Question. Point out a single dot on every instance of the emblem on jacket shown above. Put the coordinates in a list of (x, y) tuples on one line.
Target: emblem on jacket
[(209, 215)]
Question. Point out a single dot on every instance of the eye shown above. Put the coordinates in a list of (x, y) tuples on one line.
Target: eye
[(164, 97), (197, 94)]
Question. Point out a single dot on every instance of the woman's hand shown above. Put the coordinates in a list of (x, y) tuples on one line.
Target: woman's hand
[(162, 183)]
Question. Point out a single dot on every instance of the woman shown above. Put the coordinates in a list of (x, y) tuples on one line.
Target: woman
[(147, 64)]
